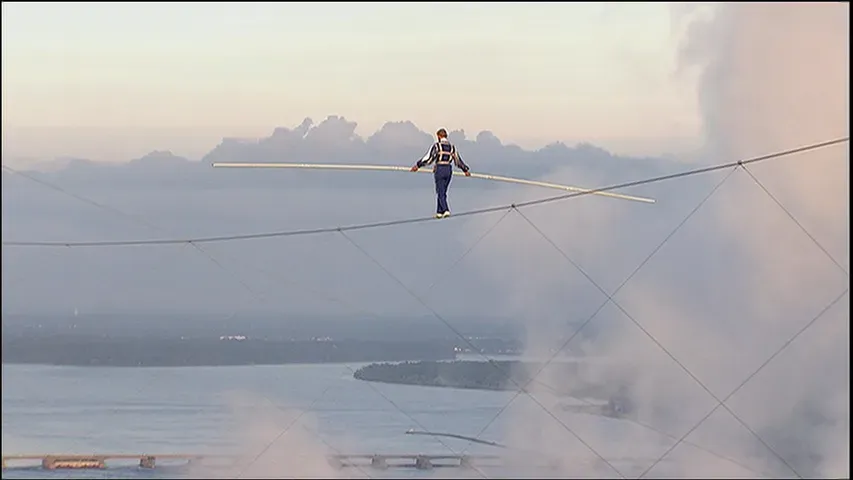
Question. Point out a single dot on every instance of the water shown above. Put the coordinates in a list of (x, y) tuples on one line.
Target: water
[(294, 414)]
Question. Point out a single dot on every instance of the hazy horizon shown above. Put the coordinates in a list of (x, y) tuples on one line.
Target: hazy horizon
[(33, 147)]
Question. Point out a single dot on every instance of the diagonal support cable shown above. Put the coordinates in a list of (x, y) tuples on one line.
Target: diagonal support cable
[(281, 433), (469, 250), (473, 348), (133, 218), (369, 384), (412, 418), (218, 264), (138, 219), (670, 436), (336, 450), (797, 222), (660, 345), (609, 299), (636, 322), (376, 390), (227, 271), (721, 403)]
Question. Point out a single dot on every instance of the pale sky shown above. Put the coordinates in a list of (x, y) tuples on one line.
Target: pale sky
[(530, 72)]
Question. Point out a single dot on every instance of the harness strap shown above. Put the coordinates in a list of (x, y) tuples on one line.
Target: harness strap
[(441, 154)]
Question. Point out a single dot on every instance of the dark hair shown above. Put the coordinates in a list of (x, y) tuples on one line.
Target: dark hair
[(441, 133)]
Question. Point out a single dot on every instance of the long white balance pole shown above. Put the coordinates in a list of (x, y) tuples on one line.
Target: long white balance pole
[(496, 178)]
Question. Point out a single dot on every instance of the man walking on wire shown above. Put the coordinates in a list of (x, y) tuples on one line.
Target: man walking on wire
[(444, 155)]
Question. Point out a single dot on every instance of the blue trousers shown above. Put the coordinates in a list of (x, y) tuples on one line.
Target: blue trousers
[(443, 174)]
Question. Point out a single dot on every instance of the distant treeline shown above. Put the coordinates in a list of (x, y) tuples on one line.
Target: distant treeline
[(262, 326), (124, 352), (561, 378)]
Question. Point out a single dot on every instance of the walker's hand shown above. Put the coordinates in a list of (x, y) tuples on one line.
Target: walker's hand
[(467, 174), (415, 168)]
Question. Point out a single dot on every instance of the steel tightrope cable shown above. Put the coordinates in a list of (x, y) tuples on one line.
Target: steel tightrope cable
[(390, 223)]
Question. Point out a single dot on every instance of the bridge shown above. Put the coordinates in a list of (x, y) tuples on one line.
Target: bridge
[(418, 461)]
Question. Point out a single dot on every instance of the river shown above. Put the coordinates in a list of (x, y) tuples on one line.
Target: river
[(50, 409)]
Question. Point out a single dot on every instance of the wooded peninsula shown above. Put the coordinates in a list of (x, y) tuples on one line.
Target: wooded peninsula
[(489, 375)]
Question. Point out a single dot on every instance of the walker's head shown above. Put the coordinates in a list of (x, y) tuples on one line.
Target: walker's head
[(441, 133)]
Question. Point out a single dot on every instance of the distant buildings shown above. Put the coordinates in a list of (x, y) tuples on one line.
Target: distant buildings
[(233, 337)]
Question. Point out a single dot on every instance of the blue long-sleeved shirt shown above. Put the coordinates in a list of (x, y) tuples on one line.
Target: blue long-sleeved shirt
[(443, 152)]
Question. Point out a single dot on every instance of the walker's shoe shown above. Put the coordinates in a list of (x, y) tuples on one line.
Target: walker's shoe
[(438, 215), (446, 214)]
